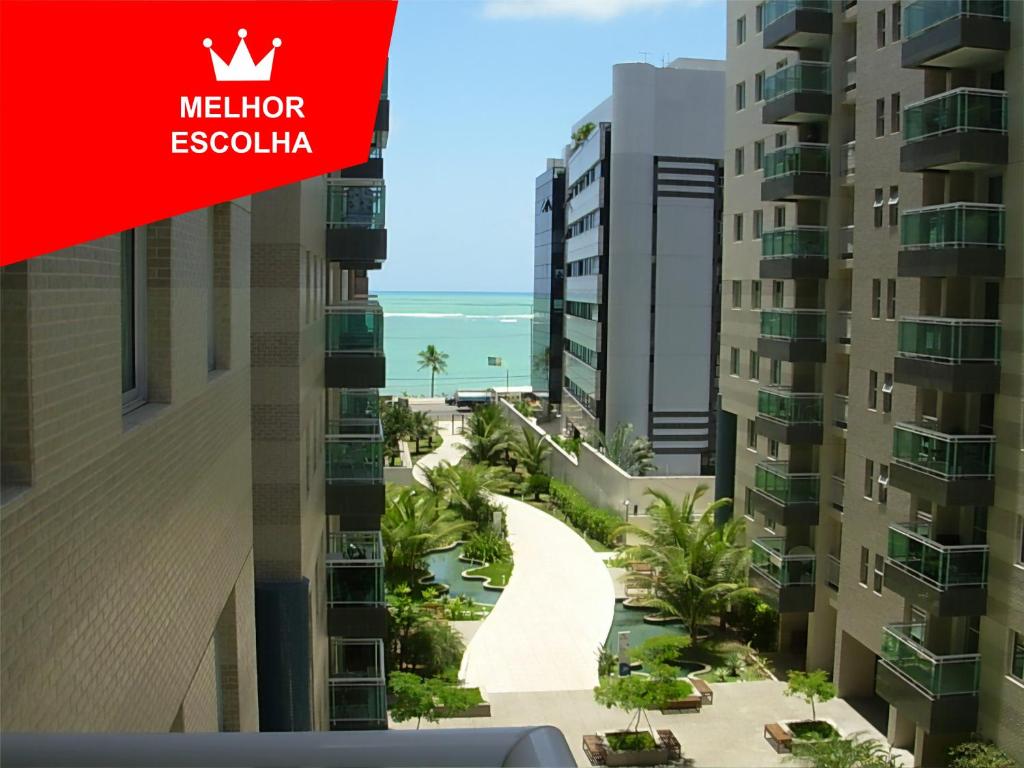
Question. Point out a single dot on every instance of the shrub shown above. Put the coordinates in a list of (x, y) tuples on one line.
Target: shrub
[(631, 741), (598, 524), (568, 444), (487, 546), (662, 649), (979, 754), (757, 621)]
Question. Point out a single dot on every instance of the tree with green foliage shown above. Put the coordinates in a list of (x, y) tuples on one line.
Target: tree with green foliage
[(607, 662), (468, 489), (396, 419), (488, 435), (417, 640), (633, 454), (432, 698), (813, 687), (412, 525), (696, 566), (638, 693), (435, 360), (663, 650), (532, 451), (487, 546), (840, 752), (979, 753), (421, 427), (537, 484)]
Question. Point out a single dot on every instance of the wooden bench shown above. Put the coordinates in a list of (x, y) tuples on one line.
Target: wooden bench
[(669, 741), (595, 750), (706, 694), (780, 739), (689, 704)]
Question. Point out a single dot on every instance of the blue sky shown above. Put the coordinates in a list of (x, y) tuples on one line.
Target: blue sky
[(482, 91)]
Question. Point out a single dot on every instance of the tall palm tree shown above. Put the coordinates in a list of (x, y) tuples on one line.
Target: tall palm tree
[(531, 451), (697, 566), (412, 525), (488, 435), (435, 360), (469, 488)]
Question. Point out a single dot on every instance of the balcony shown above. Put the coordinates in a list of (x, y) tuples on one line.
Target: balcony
[(789, 498), (956, 34), (383, 122), (357, 684), (953, 240), (356, 236), (799, 93), (355, 346), (844, 327), (846, 240), (960, 130), (796, 172), (801, 252), (793, 418), (949, 354), (937, 691), (371, 169), (949, 469), (355, 585), (848, 162), (832, 570), (935, 572), (851, 80), (837, 493), (797, 24), (840, 410), (787, 580), (794, 335)]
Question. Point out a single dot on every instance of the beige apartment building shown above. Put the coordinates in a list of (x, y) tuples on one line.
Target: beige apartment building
[(872, 321)]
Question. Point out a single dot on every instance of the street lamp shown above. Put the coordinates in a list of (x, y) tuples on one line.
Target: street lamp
[(625, 509)]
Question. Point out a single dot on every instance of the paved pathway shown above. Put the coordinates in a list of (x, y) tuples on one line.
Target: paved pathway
[(556, 610)]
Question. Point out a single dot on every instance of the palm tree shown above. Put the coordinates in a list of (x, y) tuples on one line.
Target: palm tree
[(469, 487), (531, 451), (487, 434), (435, 360), (412, 525), (422, 427), (697, 566), (633, 453)]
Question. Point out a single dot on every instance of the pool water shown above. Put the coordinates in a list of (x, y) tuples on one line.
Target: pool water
[(632, 619), (447, 568)]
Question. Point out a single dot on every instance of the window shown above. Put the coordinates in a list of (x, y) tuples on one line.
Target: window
[(780, 216), (880, 28), (780, 139), (133, 318), (778, 293), (751, 435), (897, 22), (879, 571), (773, 449), (781, 64), (741, 96), (890, 299), (755, 293), (759, 86), (738, 161), (758, 224), (734, 362), (879, 117), (1017, 655), (887, 393), (737, 294), (741, 30), (894, 206), (737, 226), (876, 298), (759, 17), (770, 524), (879, 192), (894, 112), (864, 559), (759, 154), (872, 390), (748, 507), (755, 366), (883, 483), (775, 372)]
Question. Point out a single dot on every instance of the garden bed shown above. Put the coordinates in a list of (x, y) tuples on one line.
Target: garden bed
[(495, 576), (812, 729), (632, 748)]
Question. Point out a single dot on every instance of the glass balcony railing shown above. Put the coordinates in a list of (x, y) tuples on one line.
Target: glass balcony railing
[(357, 705), (904, 651), (946, 456), (361, 660), (799, 242), (949, 340), (955, 225), (913, 548), (793, 323), (354, 459), (956, 111), (353, 404), (774, 479), (767, 556), (354, 206), (921, 15), (355, 328), (802, 76), (355, 569), (840, 410), (848, 159), (789, 407), (776, 9), (797, 158)]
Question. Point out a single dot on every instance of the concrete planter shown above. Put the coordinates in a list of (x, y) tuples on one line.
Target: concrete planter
[(483, 709), (657, 756)]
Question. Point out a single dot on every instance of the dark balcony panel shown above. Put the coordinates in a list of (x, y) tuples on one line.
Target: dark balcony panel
[(363, 621), (792, 350), (978, 261), (951, 601), (358, 505), (803, 27), (794, 268), (790, 598), (980, 377), (965, 151), (354, 371), (790, 434), (357, 248), (797, 107), (947, 492), (958, 42), (371, 169), (798, 513), (953, 714), (383, 122), (795, 186)]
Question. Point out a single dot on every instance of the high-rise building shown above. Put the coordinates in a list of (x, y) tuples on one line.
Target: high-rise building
[(642, 254), (548, 284), (872, 323)]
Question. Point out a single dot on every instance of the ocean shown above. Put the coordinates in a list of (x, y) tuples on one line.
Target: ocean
[(470, 327)]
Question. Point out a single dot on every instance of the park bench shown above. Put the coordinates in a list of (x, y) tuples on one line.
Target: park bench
[(778, 737), (671, 743), (689, 704), (706, 694), (595, 750)]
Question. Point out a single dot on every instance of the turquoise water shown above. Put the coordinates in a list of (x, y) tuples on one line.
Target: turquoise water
[(447, 569), (470, 327), (632, 619)]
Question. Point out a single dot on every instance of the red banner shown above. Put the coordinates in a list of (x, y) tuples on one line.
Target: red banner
[(116, 113)]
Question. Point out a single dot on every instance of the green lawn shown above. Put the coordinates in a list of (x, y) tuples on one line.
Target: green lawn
[(426, 446), (498, 573)]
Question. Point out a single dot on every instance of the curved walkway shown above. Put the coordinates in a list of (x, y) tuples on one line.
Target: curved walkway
[(544, 632)]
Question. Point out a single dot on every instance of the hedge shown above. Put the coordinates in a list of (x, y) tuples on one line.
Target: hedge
[(599, 524)]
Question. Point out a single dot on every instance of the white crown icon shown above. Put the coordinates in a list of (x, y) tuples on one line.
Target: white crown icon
[(242, 68)]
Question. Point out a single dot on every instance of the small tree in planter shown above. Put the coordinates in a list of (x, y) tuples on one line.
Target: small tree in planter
[(636, 694), (431, 698), (812, 687), (837, 752)]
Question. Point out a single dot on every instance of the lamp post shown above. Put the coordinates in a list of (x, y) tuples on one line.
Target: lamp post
[(625, 510)]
